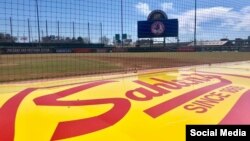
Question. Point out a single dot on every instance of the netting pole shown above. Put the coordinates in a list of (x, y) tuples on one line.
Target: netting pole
[(122, 20), (88, 34), (38, 21), (29, 29), (58, 30), (11, 29), (195, 24), (47, 28), (73, 29), (101, 33)]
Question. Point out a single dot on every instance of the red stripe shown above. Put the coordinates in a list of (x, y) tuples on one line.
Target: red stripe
[(8, 115), (240, 113), (235, 75), (164, 107)]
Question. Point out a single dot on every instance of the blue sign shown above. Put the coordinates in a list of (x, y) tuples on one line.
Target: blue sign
[(158, 28)]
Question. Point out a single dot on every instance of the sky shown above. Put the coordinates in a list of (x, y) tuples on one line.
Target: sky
[(216, 19)]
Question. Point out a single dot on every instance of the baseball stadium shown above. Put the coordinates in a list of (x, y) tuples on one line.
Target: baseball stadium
[(124, 70)]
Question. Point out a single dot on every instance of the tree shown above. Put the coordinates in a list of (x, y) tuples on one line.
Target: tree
[(2, 36), (14, 39), (45, 39), (104, 40), (80, 39), (86, 40), (67, 39), (49, 39), (52, 37), (7, 38)]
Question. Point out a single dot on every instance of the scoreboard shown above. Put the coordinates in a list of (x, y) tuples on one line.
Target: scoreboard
[(158, 25)]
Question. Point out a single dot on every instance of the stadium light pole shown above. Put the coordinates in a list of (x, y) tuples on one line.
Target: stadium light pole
[(47, 35), (73, 29), (122, 21), (11, 29), (101, 33), (195, 24), (38, 21), (88, 33), (58, 30), (29, 29)]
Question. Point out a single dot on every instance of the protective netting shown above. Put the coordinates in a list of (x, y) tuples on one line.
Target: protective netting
[(58, 38)]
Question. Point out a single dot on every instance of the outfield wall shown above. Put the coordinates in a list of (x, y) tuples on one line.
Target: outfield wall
[(41, 50), (52, 50)]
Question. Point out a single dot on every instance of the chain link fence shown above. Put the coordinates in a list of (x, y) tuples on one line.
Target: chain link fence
[(42, 39)]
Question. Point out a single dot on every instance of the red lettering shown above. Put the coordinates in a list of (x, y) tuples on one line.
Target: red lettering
[(164, 107), (182, 83), (232, 89), (195, 80), (204, 103), (148, 95), (195, 108), (166, 84), (70, 128), (79, 127), (209, 101), (212, 97), (207, 77)]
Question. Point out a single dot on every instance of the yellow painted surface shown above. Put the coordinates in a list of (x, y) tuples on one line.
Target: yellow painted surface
[(39, 122)]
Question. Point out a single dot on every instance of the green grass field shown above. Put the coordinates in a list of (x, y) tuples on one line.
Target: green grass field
[(37, 66)]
